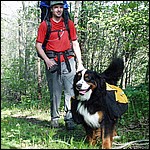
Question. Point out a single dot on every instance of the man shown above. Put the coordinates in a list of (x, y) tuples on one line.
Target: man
[(59, 52)]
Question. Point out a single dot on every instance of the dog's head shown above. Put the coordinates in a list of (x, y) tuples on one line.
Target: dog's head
[(86, 82)]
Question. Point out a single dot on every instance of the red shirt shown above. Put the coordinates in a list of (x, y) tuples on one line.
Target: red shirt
[(54, 42)]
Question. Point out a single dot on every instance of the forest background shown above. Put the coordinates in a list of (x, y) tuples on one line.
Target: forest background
[(106, 29)]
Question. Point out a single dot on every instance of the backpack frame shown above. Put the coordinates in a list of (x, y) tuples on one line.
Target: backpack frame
[(46, 15)]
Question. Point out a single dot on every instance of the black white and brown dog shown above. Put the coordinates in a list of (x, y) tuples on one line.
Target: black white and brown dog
[(94, 106)]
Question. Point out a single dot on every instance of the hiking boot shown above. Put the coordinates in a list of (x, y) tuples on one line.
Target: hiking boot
[(55, 123), (69, 125)]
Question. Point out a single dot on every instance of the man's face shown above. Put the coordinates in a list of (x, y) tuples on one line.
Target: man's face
[(57, 10)]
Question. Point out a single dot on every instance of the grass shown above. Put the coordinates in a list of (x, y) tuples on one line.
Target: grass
[(26, 125)]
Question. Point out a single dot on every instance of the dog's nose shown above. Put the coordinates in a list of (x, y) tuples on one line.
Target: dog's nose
[(79, 86)]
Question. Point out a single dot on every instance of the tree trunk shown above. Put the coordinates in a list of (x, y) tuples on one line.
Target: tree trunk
[(147, 73), (76, 13), (39, 70)]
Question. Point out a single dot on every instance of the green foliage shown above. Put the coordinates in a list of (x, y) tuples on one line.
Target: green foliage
[(138, 101), (119, 29), (135, 120)]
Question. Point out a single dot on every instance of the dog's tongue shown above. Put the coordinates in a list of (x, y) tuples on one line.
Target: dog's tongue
[(82, 92)]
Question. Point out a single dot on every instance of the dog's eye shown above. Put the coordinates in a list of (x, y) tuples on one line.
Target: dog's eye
[(87, 78)]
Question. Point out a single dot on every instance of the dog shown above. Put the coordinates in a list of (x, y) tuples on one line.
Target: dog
[(94, 106)]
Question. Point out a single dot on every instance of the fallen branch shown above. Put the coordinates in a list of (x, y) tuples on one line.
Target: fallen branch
[(131, 143)]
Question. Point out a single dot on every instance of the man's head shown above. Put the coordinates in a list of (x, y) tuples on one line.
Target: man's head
[(57, 8), (52, 3)]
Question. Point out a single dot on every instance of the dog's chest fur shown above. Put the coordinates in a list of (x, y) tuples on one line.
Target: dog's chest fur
[(91, 119)]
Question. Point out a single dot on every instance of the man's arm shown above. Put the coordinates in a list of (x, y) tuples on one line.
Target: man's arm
[(77, 51), (49, 62)]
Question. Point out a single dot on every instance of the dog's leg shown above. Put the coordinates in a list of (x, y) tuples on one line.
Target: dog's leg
[(93, 136), (90, 136), (107, 139)]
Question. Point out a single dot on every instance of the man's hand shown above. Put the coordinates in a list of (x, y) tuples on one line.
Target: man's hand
[(80, 67), (50, 63)]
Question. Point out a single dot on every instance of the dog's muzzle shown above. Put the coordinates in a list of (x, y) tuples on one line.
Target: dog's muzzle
[(81, 91)]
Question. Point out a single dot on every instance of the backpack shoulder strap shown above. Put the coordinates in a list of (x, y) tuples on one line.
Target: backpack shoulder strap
[(67, 28), (66, 20), (47, 33)]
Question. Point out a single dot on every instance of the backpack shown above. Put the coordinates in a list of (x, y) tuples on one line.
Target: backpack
[(119, 93), (46, 15), (116, 101)]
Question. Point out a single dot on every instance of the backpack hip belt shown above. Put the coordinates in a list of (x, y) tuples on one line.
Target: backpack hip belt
[(53, 54), (66, 53)]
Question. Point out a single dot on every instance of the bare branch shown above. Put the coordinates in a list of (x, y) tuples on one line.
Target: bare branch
[(128, 144)]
